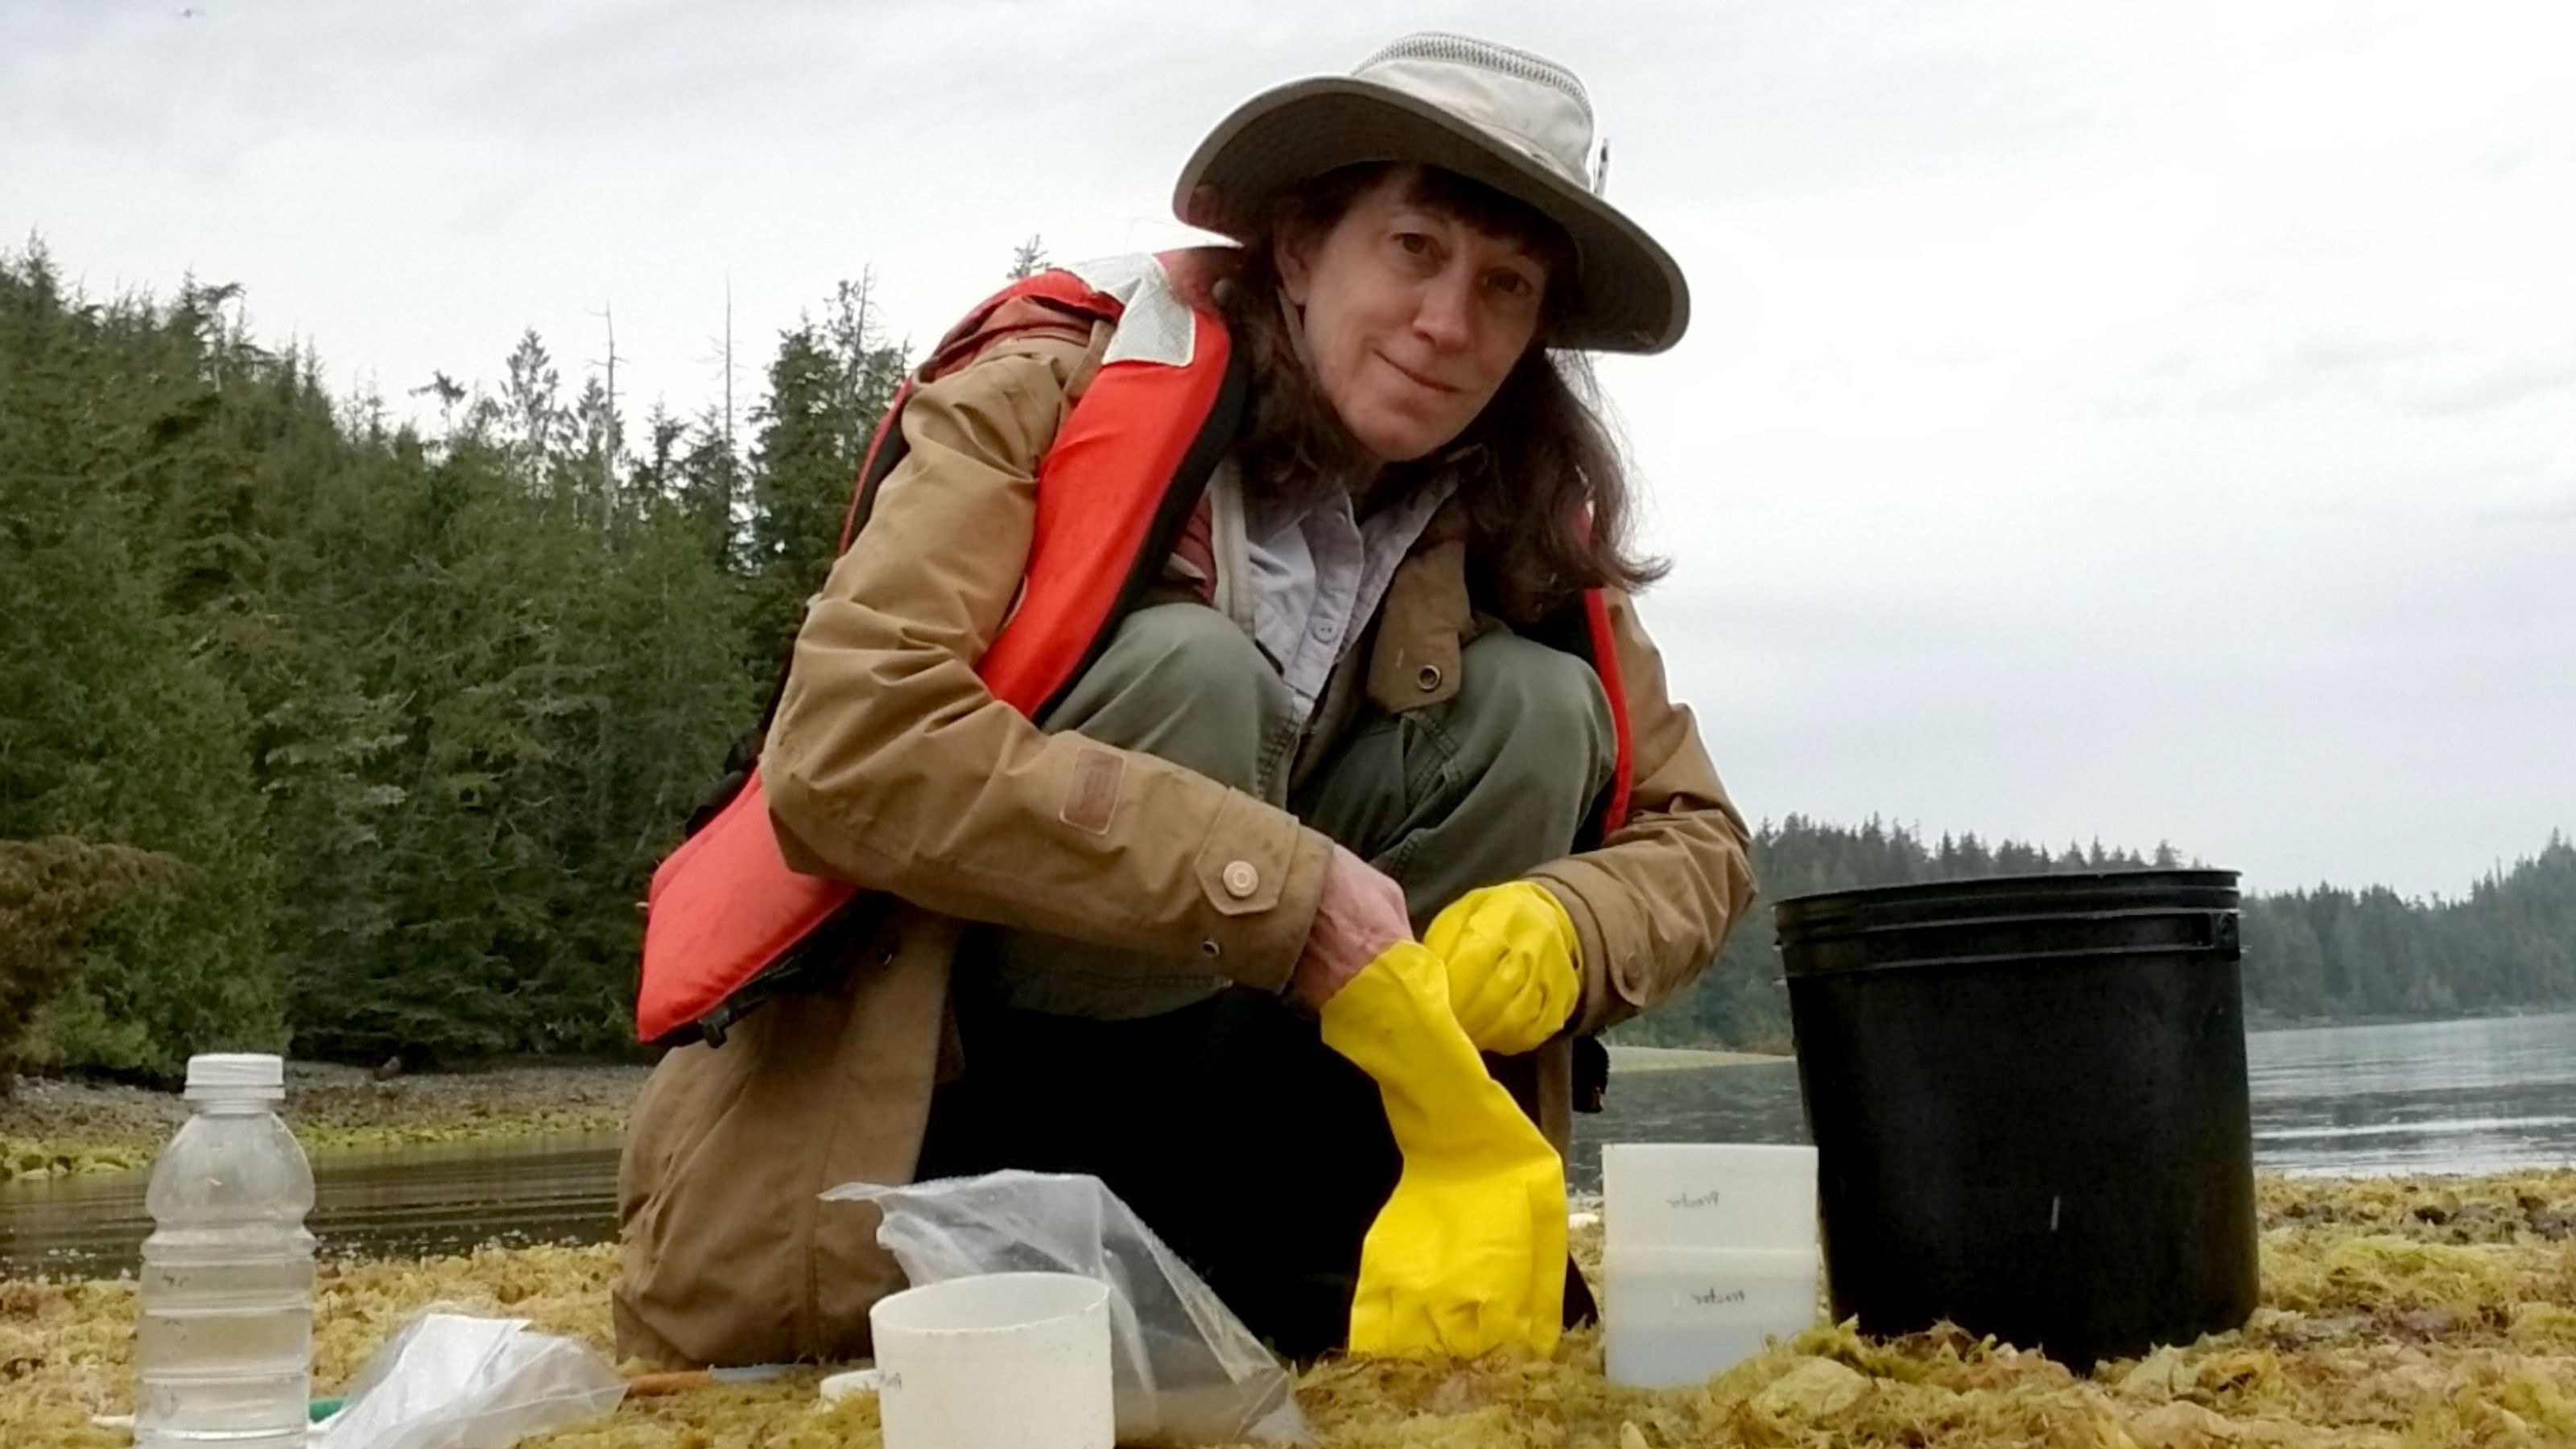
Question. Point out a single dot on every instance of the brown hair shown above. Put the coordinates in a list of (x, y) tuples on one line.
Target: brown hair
[(1540, 480)]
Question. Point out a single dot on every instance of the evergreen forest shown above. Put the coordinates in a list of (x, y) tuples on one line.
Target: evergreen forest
[(359, 738)]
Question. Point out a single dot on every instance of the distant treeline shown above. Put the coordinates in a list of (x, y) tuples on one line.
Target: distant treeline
[(2310, 955), (321, 731)]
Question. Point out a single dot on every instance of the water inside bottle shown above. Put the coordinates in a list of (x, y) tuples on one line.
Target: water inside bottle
[(223, 1348)]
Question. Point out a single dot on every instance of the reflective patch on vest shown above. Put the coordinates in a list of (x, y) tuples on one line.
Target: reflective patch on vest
[(1091, 799), (1157, 325)]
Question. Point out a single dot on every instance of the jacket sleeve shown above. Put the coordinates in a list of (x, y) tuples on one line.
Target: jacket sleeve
[(1653, 903), (891, 766)]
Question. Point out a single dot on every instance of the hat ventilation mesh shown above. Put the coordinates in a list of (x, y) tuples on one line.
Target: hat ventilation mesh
[(1441, 45)]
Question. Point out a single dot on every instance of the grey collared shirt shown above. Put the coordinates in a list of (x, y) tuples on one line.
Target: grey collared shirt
[(1318, 572)]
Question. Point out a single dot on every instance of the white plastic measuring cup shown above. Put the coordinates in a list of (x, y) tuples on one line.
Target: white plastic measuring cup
[(1706, 1249), (1001, 1361)]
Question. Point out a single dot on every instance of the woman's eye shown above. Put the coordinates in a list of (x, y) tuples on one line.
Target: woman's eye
[(1414, 243)]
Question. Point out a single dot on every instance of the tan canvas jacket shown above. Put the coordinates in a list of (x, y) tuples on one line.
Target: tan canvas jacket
[(888, 764)]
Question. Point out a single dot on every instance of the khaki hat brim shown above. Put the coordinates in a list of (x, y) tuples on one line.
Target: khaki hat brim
[(1629, 292)]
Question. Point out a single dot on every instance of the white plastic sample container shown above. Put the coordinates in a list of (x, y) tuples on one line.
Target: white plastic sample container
[(1707, 1249), (1677, 1315), (223, 1348), (1708, 1195), (999, 1361)]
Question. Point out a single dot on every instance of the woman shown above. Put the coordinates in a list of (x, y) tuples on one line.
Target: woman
[(1358, 700)]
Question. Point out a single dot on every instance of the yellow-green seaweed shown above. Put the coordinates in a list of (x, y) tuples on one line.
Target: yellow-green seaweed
[(2385, 1323)]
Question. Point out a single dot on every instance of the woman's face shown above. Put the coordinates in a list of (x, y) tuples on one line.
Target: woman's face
[(1412, 316)]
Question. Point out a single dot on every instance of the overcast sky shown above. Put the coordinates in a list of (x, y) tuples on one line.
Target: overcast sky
[(2152, 422)]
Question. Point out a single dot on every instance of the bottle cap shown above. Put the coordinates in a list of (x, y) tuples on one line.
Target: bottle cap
[(260, 1075)]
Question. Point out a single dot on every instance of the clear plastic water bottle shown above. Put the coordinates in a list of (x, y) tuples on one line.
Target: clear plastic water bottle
[(224, 1352)]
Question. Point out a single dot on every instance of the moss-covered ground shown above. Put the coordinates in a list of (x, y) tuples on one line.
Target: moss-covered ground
[(2415, 1314)]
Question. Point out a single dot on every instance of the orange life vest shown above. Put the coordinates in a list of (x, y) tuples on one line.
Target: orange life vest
[(727, 923)]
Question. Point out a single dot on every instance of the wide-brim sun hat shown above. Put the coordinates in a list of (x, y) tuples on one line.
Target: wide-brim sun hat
[(1517, 122)]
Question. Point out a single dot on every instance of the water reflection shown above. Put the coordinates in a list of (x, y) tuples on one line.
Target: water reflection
[(2447, 1096), (2461, 1096), (1756, 1103), (399, 1202)]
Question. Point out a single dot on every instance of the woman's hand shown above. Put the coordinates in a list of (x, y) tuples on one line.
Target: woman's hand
[(1510, 953), (1359, 915)]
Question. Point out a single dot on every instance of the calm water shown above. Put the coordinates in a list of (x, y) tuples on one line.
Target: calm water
[(2448, 1096), (2462, 1096), (400, 1202)]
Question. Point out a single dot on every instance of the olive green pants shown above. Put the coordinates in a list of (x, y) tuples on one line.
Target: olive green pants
[(1469, 792)]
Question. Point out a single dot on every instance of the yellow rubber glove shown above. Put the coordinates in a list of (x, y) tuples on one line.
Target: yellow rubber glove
[(1468, 1255), (1510, 953)]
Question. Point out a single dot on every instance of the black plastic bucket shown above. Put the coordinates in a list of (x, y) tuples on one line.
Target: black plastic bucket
[(2028, 1101)]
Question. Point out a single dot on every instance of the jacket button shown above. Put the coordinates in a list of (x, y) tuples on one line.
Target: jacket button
[(1241, 880), (1429, 678), (1211, 948)]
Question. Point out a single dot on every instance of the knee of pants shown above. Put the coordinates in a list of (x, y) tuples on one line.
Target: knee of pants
[(1537, 712), (1179, 681), (1185, 656)]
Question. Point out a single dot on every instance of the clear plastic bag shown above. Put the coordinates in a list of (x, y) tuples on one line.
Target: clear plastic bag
[(452, 1380), (1188, 1371)]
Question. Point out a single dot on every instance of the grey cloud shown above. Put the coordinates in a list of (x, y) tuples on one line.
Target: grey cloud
[(1792, 102), (2486, 384), (2329, 699), (2528, 490), (2232, 365)]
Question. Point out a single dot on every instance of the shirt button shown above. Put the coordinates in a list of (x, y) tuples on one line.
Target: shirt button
[(1429, 678), (1325, 629), (1241, 880)]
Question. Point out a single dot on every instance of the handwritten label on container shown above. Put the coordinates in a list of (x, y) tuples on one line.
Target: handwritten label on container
[(1689, 1201), (1715, 1297)]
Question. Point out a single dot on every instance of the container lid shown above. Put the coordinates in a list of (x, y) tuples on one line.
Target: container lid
[(237, 1074)]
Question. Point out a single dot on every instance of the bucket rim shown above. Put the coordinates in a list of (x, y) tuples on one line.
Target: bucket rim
[(2055, 882), (1944, 909)]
